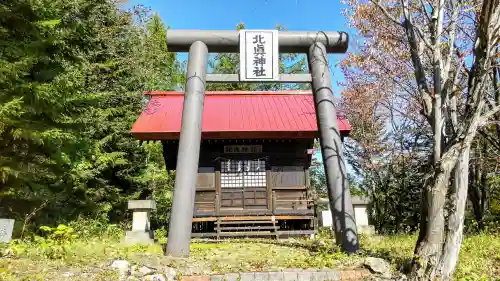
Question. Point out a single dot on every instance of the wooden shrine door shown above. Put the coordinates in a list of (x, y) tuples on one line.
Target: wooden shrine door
[(243, 184)]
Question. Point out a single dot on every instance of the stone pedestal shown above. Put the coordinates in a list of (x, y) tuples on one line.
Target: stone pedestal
[(141, 232), (360, 205)]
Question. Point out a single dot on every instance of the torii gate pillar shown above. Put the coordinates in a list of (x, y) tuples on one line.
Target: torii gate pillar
[(316, 45), (332, 151), (179, 230)]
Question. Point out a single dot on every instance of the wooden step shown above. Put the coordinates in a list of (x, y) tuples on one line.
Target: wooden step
[(204, 235), (257, 233), (249, 228), (246, 218), (244, 222), (296, 232)]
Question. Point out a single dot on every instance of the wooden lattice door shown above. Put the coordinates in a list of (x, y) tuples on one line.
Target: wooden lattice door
[(243, 184)]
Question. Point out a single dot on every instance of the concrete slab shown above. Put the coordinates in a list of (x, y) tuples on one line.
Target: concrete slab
[(304, 276), (232, 277), (333, 275), (290, 276), (319, 276), (262, 276), (142, 204), (276, 276), (247, 276)]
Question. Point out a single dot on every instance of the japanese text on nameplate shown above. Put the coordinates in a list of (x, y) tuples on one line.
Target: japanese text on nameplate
[(259, 58)]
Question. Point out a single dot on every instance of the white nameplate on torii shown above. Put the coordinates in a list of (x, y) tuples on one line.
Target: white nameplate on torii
[(259, 56)]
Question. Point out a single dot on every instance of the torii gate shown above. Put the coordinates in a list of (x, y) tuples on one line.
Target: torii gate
[(316, 45)]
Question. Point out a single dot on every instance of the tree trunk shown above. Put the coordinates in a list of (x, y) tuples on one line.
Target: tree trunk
[(426, 264), (484, 197), (478, 185), (428, 251), (458, 200), (474, 192), (423, 218), (483, 187)]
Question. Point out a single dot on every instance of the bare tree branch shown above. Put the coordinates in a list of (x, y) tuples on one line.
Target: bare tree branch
[(451, 42), (490, 139), (30, 215), (386, 13), (496, 88), (422, 36), (492, 111), (424, 10), (416, 54)]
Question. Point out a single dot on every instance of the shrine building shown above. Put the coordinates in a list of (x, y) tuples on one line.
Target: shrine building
[(255, 155)]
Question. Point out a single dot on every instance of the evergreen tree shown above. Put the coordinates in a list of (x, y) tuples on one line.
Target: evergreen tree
[(163, 71), (73, 76)]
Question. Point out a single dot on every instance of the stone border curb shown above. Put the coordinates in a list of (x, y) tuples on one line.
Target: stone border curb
[(285, 275)]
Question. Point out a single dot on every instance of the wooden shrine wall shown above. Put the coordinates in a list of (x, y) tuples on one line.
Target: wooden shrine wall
[(286, 190)]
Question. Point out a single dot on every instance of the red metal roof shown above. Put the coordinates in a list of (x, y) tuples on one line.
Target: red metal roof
[(234, 115)]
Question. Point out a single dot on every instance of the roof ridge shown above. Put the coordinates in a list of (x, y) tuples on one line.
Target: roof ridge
[(228, 93)]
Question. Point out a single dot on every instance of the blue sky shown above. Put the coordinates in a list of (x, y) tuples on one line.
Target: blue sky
[(296, 15)]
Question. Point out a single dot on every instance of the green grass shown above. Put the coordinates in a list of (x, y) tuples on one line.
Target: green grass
[(479, 258)]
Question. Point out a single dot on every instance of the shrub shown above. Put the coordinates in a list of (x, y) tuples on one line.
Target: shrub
[(91, 228), (53, 244)]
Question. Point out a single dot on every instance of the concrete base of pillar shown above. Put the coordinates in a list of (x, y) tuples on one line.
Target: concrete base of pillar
[(139, 237)]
